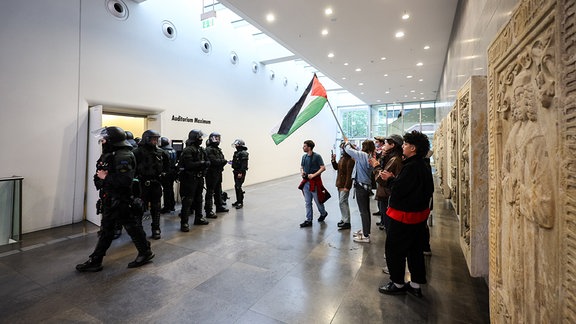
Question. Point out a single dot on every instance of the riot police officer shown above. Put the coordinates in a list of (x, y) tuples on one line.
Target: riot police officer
[(239, 168), (152, 165), (192, 165), (170, 177), (214, 176), (113, 179)]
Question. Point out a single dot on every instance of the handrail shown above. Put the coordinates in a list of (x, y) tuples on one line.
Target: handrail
[(12, 178)]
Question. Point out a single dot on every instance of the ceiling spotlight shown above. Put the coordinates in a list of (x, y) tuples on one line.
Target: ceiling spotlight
[(405, 16), (343, 78), (386, 74), (330, 55), (361, 83), (358, 70), (419, 64), (387, 92), (420, 80), (324, 32), (408, 77), (270, 17), (382, 58), (399, 34), (328, 11), (346, 64), (426, 47)]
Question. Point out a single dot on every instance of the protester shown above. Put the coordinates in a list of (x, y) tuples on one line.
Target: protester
[(311, 167)]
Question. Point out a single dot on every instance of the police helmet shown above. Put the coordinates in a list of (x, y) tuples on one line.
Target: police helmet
[(129, 135), (164, 141), (214, 138), (195, 136), (148, 135), (113, 136), (238, 142)]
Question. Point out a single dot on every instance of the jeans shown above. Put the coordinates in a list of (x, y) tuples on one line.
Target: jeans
[(308, 196), (344, 206), (363, 200)]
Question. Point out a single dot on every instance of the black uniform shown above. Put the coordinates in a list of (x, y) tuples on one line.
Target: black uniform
[(192, 165), (115, 192), (239, 168), (214, 176), (153, 164), (170, 177)]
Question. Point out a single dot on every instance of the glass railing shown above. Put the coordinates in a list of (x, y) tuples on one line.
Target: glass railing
[(10, 209)]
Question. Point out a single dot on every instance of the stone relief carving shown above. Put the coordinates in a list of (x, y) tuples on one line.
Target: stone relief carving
[(525, 155), (464, 168)]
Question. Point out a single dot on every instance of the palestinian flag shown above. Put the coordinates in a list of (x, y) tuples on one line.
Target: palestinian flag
[(309, 105)]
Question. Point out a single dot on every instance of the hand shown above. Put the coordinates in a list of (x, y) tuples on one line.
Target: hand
[(385, 175), (373, 162), (101, 174), (333, 157)]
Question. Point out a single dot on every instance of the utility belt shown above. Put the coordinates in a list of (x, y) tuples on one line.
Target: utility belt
[(148, 181), (364, 186)]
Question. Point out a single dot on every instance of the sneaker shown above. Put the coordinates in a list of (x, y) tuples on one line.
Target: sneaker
[(239, 205), (362, 239), (385, 270), (323, 217), (222, 209), (234, 204), (391, 289), (344, 226), (306, 223), (413, 291), (156, 234), (340, 223), (92, 265), (184, 228), (358, 233), (141, 260), (211, 214)]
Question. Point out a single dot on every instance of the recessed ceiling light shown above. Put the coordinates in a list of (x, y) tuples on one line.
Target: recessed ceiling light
[(421, 98), (324, 32), (358, 69), (361, 93), (399, 34), (361, 83), (408, 77), (328, 11), (387, 92), (346, 64), (420, 80), (419, 64), (382, 58), (343, 78), (405, 15), (426, 47), (270, 17), (386, 74), (405, 96), (412, 91), (330, 55)]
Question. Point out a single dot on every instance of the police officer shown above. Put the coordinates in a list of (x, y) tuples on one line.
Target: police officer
[(192, 165), (214, 176), (152, 165), (170, 177), (113, 179), (239, 168)]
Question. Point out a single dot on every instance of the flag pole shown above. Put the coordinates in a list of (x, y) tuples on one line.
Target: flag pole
[(337, 122)]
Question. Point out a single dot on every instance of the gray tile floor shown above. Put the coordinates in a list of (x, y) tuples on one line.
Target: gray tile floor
[(253, 265)]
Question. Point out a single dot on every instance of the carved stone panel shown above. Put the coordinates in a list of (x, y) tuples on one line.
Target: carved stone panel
[(452, 155), (532, 165), (440, 163), (473, 174)]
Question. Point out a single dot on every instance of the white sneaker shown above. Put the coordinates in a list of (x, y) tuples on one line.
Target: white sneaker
[(362, 239), (385, 270), (358, 233)]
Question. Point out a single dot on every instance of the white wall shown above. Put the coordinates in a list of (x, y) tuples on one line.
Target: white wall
[(58, 57)]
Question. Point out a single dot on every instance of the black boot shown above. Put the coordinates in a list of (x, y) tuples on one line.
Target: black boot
[(156, 234), (92, 265), (141, 259)]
